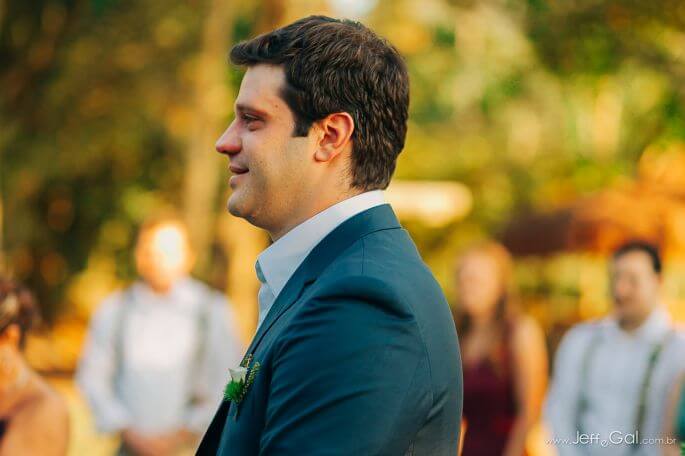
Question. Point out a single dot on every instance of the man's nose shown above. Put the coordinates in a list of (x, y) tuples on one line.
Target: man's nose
[(622, 290), (229, 142)]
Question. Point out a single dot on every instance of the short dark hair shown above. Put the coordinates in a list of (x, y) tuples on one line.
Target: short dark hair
[(17, 306), (651, 250), (334, 65)]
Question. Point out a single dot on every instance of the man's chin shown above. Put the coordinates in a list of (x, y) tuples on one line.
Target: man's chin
[(631, 320), (233, 206), (237, 207)]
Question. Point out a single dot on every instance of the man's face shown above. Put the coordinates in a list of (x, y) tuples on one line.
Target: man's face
[(635, 287), (270, 167), (479, 284), (163, 255)]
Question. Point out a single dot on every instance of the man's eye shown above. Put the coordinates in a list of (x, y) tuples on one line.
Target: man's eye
[(248, 118)]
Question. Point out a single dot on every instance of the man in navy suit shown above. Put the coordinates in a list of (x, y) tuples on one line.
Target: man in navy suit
[(355, 352)]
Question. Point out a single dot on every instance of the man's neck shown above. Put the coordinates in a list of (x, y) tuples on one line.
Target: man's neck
[(630, 325), (483, 322), (310, 211), (161, 291)]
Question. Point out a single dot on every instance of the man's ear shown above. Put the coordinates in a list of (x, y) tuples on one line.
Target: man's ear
[(335, 133)]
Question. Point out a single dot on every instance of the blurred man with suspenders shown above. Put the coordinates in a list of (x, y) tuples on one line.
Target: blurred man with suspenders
[(612, 377), (157, 353)]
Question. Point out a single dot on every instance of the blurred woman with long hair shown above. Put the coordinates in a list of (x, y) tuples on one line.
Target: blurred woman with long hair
[(33, 417), (503, 354)]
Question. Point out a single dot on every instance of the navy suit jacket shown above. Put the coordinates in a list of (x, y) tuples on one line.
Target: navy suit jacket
[(358, 356)]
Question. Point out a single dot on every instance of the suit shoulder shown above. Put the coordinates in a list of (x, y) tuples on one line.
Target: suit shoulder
[(365, 274), (352, 307), (386, 258), (384, 269), (356, 287)]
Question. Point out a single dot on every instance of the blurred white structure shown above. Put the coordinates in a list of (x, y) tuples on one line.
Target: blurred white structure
[(352, 9), (435, 203)]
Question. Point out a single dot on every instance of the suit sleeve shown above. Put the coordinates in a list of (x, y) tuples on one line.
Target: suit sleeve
[(349, 377)]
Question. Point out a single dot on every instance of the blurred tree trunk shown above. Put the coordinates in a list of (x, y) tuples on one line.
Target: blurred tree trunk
[(2, 222), (242, 243), (271, 13), (210, 104)]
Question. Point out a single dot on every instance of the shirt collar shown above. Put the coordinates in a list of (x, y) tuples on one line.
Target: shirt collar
[(282, 258), (652, 330)]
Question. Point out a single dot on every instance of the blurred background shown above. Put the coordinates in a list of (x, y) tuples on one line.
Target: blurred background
[(557, 128)]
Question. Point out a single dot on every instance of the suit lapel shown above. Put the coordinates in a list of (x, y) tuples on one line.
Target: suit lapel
[(212, 438), (336, 242)]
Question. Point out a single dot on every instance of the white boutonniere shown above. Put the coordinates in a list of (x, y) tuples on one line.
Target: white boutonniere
[(241, 379)]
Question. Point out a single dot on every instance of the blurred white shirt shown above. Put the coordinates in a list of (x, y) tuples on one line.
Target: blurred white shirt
[(158, 363), (616, 371)]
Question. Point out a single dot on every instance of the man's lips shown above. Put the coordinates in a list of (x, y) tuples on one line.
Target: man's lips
[(237, 169)]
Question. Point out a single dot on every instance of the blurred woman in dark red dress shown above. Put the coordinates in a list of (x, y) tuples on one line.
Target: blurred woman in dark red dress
[(503, 354)]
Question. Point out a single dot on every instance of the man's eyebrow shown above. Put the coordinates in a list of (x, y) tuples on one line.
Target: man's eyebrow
[(242, 107)]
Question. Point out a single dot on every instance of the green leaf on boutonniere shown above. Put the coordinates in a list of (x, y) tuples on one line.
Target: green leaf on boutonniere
[(233, 391)]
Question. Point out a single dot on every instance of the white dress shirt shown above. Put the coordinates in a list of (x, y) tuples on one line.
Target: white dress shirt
[(615, 374), (280, 260), (157, 363)]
